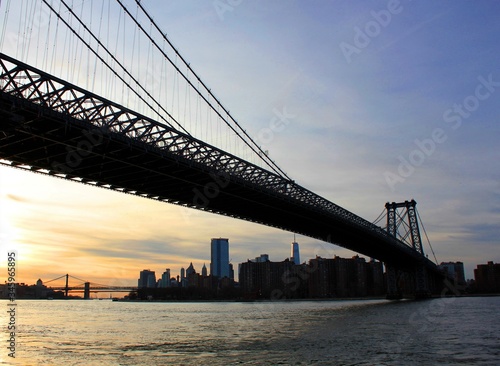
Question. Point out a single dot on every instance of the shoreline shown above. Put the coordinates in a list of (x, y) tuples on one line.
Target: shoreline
[(266, 300)]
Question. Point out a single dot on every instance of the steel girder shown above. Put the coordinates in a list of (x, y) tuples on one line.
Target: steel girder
[(57, 99), (116, 288), (394, 221)]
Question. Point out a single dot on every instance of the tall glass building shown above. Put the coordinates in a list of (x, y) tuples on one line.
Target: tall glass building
[(294, 255), (147, 278), (219, 258)]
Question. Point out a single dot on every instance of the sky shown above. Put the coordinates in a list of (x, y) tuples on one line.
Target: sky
[(385, 101)]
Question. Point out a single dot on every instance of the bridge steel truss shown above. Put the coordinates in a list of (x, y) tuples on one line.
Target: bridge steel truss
[(50, 126), (86, 289), (394, 222)]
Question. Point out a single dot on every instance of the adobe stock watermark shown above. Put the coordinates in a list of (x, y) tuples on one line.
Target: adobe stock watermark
[(223, 6), (76, 154), (11, 304), (363, 36), (211, 190), (277, 124), (453, 117)]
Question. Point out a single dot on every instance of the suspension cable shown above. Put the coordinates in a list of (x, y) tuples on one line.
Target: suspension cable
[(379, 217), (79, 279), (55, 279), (4, 27), (428, 241), (114, 59), (254, 148), (102, 285)]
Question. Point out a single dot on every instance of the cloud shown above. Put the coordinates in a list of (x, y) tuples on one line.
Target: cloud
[(16, 198)]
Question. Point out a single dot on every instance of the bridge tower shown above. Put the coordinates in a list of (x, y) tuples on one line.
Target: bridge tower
[(403, 225), (66, 288), (86, 291)]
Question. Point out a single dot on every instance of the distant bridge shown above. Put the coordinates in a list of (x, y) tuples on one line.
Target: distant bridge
[(86, 287)]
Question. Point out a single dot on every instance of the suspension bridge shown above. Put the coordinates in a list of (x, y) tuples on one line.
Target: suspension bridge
[(85, 287), (140, 143)]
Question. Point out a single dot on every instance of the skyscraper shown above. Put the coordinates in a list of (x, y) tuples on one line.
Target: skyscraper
[(488, 277), (455, 270), (165, 278), (183, 278), (262, 258), (295, 256), (219, 258), (190, 270), (147, 278)]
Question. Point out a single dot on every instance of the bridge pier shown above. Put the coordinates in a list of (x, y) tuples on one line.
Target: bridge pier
[(66, 288), (422, 290), (393, 291), (86, 291), (412, 283), (416, 278)]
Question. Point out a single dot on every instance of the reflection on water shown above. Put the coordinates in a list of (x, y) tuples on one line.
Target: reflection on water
[(376, 332)]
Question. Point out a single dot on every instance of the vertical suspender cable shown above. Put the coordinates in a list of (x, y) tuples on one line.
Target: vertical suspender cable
[(428, 241), (4, 28), (107, 64), (255, 148)]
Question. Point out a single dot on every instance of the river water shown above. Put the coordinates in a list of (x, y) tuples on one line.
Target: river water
[(453, 331)]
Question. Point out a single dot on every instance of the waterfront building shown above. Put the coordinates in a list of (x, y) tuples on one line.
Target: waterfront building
[(183, 280), (487, 277), (147, 278), (454, 270), (151, 280), (165, 278), (261, 258), (192, 278), (375, 278), (219, 258), (40, 290), (321, 280), (358, 277), (190, 270), (345, 277), (342, 280), (268, 279), (261, 278)]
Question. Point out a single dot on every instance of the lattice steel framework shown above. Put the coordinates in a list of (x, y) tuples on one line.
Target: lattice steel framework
[(396, 222), (124, 140), (408, 232)]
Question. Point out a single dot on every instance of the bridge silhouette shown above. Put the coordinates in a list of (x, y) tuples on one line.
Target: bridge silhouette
[(53, 127), (85, 286)]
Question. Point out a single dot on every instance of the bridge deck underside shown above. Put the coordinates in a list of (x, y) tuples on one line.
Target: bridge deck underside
[(45, 139)]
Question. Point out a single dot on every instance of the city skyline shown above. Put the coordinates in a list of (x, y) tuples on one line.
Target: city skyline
[(163, 268), (486, 278), (392, 120), (455, 270)]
